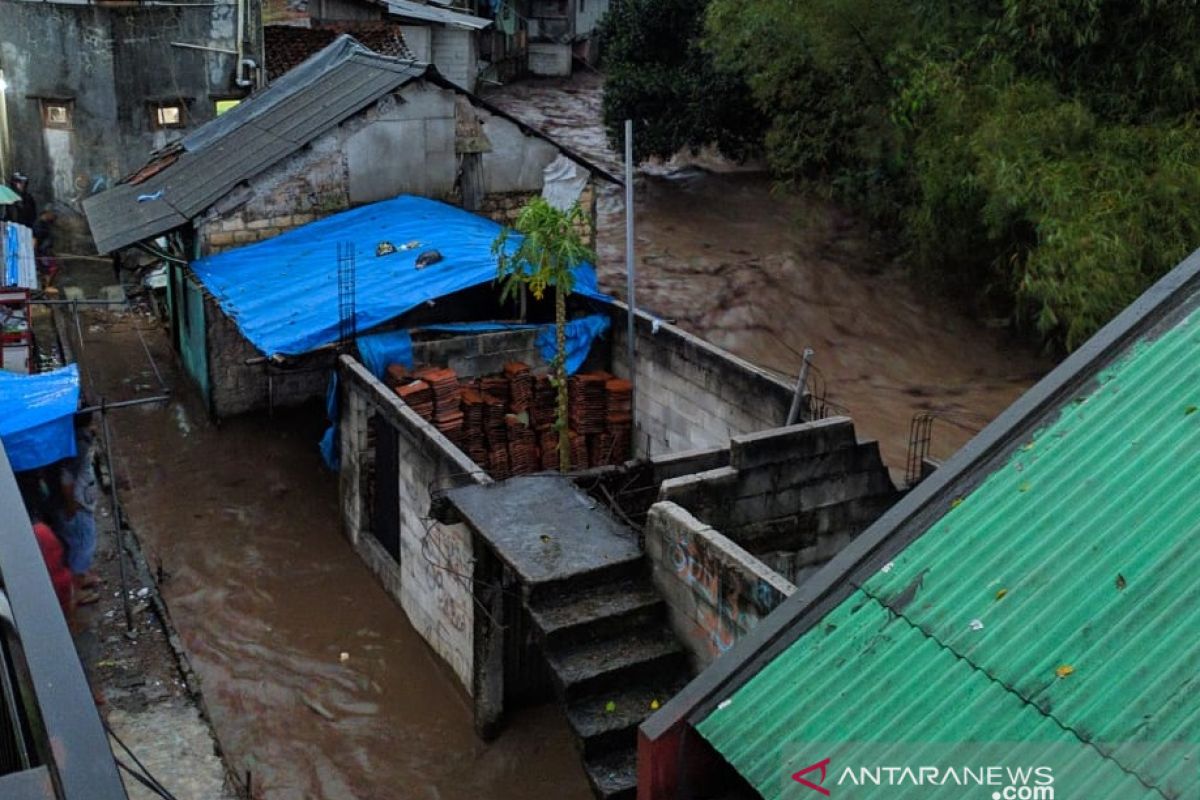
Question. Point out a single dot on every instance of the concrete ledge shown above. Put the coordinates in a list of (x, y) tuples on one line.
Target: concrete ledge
[(796, 441)]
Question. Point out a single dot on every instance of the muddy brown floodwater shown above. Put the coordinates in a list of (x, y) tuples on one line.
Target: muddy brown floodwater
[(766, 274), (266, 595)]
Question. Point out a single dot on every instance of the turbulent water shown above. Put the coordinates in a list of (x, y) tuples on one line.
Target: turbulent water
[(766, 274)]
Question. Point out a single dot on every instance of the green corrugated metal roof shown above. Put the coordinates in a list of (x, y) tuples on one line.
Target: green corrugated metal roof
[(1082, 549)]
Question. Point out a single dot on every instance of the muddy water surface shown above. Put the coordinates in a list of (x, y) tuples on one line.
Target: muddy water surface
[(766, 275), (267, 595)]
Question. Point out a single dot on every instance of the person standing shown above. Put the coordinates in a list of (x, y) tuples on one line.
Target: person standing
[(78, 526), (25, 210)]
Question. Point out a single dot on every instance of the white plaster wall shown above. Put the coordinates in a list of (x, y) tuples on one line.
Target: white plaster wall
[(61, 157), (406, 148), (517, 162), (454, 55), (419, 40)]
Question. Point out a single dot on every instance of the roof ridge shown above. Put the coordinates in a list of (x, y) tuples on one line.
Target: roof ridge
[(991, 677)]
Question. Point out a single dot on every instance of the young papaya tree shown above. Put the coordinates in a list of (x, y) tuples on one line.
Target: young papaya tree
[(551, 246)]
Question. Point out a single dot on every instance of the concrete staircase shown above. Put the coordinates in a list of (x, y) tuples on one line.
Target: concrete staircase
[(611, 655)]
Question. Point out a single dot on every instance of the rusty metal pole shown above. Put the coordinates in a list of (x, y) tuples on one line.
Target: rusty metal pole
[(801, 385), (630, 301)]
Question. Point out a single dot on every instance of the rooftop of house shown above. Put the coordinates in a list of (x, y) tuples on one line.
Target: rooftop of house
[(288, 46), (185, 179), (1034, 589)]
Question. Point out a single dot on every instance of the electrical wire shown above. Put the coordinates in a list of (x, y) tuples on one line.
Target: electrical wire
[(148, 780)]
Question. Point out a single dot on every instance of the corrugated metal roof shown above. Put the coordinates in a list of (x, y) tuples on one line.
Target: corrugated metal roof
[(1080, 549), (321, 93), (432, 13)]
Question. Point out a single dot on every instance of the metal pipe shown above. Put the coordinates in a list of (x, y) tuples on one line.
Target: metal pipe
[(631, 311), (116, 512), (205, 48), (162, 398), (801, 384)]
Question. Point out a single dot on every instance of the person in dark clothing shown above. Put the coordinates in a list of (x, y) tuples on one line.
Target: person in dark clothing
[(25, 211), (43, 238)]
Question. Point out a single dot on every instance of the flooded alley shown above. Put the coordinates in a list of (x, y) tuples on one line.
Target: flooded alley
[(767, 274), (268, 596)]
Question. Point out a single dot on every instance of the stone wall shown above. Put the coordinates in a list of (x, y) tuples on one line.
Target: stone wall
[(236, 387), (432, 579), (716, 592), (793, 496), (691, 394)]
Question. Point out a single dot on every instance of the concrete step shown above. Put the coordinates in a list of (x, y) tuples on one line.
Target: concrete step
[(601, 730), (556, 591), (597, 612), (613, 776), (634, 656)]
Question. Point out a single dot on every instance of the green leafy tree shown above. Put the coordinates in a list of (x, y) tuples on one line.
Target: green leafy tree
[(550, 248), (658, 74)]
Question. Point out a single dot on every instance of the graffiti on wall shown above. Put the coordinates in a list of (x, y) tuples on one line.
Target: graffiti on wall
[(728, 603)]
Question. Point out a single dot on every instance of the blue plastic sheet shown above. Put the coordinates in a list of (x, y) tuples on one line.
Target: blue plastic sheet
[(37, 416), (580, 333), (283, 293), (378, 350)]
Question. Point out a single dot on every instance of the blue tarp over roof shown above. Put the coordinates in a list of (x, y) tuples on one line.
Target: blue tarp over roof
[(37, 424), (283, 293)]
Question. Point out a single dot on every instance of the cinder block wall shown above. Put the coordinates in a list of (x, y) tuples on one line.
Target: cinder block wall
[(480, 354), (793, 496), (716, 592), (432, 579), (236, 387), (691, 394)]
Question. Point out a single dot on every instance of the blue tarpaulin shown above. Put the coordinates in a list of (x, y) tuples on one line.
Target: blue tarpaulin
[(37, 416), (283, 293)]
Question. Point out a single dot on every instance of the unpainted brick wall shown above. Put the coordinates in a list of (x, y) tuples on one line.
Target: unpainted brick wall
[(432, 580), (237, 387), (691, 394), (716, 592), (793, 496)]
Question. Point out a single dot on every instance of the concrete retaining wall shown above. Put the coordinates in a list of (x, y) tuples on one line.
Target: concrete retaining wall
[(691, 394), (716, 592), (432, 579), (793, 496)]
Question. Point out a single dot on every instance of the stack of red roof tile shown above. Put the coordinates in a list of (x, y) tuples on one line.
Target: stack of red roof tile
[(588, 405), (419, 396), (447, 409), (493, 421), (579, 451), (545, 400), (523, 455), (472, 439), (520, 385), (621, 437), (496, 386), (498, 464), (396, 375), (619, 402), (549, 440), (600, 448)]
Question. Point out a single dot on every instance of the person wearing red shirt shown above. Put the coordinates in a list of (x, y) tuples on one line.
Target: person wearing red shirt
[(54, 554)]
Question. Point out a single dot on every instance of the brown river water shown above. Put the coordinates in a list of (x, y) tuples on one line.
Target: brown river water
[(765, 275), (266, 594)]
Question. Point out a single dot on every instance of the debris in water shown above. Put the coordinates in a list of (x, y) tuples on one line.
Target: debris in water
[(318, 709), (344, 657)]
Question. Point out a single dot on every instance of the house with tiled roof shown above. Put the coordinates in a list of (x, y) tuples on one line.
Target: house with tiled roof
[(1030, 606)]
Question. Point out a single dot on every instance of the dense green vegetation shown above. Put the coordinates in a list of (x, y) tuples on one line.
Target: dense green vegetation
[(1039, 157)]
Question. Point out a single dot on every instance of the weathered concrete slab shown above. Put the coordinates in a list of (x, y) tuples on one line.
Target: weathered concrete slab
[(545, 528)]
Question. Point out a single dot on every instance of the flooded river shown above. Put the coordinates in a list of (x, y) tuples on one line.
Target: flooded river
[(766, 275), (267, 595)]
